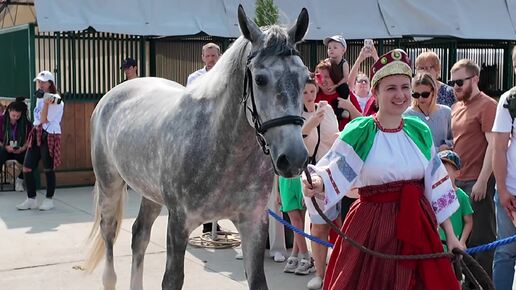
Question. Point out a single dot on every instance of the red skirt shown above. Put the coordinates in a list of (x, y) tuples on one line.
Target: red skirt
[(393, 218)]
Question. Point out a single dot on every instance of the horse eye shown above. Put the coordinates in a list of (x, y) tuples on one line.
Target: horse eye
[(261, 80)]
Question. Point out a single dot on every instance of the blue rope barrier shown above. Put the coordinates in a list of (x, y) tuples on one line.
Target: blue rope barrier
[(470, 251), (491, 245), (298, 231)]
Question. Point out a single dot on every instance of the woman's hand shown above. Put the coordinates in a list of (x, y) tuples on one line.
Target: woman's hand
[(344, 104), (315, 119), (47, 101), (9, 149), (365, 52), (315, 189)]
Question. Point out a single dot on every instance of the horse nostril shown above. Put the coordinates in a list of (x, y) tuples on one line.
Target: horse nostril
[(282, 164)]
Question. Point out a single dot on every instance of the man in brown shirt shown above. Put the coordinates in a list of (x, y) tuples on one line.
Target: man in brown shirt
[(472, 121)]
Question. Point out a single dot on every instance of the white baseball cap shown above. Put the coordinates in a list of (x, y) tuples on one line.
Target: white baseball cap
[(338, 38), (45, 76)]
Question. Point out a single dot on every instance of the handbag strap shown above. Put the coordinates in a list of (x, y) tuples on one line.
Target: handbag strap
[(313, 157)]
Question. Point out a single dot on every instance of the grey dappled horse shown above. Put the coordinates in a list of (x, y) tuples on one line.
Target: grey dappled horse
[(194, 150)]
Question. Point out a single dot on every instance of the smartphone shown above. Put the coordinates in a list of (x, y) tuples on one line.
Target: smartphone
[(318, 78), (368, 43)]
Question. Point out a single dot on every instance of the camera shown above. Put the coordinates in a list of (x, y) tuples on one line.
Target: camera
[(54, 98), (39, 94)]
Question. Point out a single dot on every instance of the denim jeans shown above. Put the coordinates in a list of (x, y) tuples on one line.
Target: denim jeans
[(505, 256)]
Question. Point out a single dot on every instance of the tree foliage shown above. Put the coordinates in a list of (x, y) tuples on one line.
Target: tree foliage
[(267, 13)]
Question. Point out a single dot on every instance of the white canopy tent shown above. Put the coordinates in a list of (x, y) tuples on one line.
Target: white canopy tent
[(356, 19)]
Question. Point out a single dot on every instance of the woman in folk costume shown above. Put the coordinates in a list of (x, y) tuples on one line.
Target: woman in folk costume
[(404, 192)]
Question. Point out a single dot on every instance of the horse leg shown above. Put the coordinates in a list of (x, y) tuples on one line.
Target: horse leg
[(142, 226), (253, 230), (177, 239), (110, 193)]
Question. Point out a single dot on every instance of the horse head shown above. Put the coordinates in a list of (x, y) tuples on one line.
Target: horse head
[(275, 79)]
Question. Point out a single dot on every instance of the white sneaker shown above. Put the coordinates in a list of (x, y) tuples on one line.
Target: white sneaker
[(315, 283), (305, 267), (278, 257), (47, 204), (291, 265), (29, 203), (18, 185), (239, 255)]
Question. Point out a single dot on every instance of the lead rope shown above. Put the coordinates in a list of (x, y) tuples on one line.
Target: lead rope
[(460, 265)]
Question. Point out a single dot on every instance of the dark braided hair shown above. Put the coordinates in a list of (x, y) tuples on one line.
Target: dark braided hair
[(21, 125)]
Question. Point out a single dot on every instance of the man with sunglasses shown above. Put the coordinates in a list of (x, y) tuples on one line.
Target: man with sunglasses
[(472, 122)]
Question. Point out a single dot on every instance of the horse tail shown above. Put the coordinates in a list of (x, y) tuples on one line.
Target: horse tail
[(95, 239)]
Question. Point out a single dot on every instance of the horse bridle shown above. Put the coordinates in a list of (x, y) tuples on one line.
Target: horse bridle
[(259, 126)]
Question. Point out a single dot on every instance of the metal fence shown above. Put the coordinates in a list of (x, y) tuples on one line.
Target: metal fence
[(177, 57), (87, 64)]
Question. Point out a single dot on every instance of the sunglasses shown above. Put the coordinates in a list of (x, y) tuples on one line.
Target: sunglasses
[(459, 83), (362, 82), (424, 95)]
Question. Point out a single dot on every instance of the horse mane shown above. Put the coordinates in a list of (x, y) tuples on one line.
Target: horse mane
[(230, 67), (224, 73)]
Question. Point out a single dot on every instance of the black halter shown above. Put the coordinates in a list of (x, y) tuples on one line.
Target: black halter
[(259, 126)]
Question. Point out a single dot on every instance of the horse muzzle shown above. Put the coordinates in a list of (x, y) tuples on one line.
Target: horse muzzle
[(291, 161)]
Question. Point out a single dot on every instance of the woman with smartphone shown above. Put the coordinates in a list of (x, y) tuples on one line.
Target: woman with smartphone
[(14, 130), (44, 141), (319, 132), (360, 84)]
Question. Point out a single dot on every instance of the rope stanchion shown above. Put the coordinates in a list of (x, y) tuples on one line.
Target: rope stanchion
[(298, 231)]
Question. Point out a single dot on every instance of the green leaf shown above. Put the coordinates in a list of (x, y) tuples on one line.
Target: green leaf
[(267, 13)]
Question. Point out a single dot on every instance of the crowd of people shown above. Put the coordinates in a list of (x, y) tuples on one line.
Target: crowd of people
[(375, 138), (385, 152), (405, 163)]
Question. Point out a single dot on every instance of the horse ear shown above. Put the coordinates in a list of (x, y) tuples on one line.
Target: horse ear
[(249, 29), (298, 31)]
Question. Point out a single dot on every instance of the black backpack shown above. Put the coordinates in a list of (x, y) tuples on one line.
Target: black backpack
[(511, 103)]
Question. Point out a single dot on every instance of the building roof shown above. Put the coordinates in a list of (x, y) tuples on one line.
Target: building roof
[(355, 19), (16, 12)]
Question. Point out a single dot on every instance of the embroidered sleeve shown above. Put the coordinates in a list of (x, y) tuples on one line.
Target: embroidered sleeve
[(339, 169), (439, 190)]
